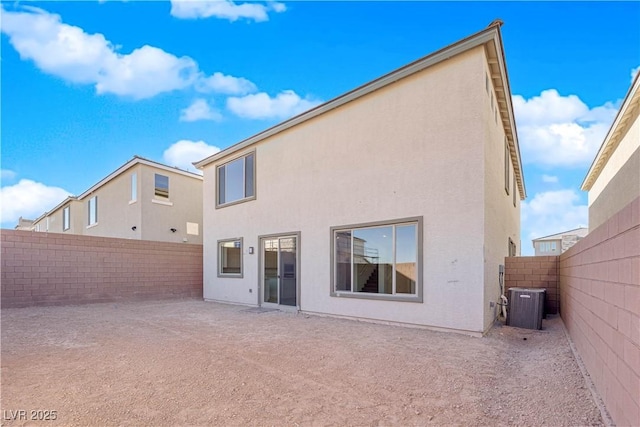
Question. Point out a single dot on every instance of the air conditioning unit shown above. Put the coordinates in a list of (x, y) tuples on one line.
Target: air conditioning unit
[(526, 308)]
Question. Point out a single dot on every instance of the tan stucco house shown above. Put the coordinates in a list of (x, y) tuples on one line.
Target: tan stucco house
[(613, 180), (558, 243), (142, 200), (395, 202)]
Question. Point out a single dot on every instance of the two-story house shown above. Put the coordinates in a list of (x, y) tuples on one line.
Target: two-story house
[(397, 201), (142, 200), (558, 243)]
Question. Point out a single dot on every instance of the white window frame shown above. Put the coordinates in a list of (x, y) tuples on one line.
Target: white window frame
[(417, 297), (548, 247), (231, 275), (134, 187), (246, 197), (92, 221), (66, 218)]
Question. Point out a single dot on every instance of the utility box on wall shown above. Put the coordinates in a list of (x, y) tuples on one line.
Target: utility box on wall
[(526, 308)]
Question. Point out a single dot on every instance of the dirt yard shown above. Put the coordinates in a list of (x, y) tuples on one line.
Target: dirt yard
[(196, 363)]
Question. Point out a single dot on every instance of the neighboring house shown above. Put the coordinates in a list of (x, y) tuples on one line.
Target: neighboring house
[(397, 201), (556, 244), (24, 224), (142, 200), (66, 217), (613, 181)]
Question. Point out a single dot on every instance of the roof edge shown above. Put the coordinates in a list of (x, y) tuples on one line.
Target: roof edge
[(134, 161), (58, 206), (492, 32), (611, 141), (559, 234)]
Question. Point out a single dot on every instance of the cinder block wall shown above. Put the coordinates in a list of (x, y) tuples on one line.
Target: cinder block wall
[(56, 269), (534, 272), (600, 306)]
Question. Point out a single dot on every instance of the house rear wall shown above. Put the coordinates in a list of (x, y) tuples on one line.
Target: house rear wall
[(414, 148)]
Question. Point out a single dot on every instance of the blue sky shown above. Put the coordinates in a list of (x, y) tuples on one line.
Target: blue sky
[(85, 86)]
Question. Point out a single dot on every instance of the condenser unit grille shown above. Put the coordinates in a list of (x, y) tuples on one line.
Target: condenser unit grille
[(526, 307)]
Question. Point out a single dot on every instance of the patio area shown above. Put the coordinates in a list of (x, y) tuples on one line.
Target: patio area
[(190, 362)]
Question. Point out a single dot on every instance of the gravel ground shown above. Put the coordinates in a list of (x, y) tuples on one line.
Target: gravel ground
[(196, 363)]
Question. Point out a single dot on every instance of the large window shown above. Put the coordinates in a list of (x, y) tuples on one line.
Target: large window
[(379, 260), (93, 210), (162, 186), (236, 180), (66, 220), (230, 258)]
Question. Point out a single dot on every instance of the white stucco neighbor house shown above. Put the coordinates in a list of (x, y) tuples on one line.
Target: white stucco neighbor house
[(142, 200), (556, 244), (613, 180), (395, 202)]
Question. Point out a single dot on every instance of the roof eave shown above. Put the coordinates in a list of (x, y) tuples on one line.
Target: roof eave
[(478, 39), (134, 161), (613, 135)]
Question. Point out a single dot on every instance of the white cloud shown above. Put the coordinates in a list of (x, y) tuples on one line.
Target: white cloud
[(184, 152), (28, 199), (549, 213), (224, 9), (549, 178), (146, 72), (199, 110), (229, 85), (7, 175), (261, 106), (68, 52), (556, 130), (634, 73)]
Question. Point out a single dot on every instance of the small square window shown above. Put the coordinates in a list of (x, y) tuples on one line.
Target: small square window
[(162, 186), (230, 258)]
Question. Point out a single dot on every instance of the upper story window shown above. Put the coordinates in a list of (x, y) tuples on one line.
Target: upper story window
[(514, 189), (92, 205), (162, 186), (134, 187), (507, 159), (236, 180), (548, 246), (66, 220)]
